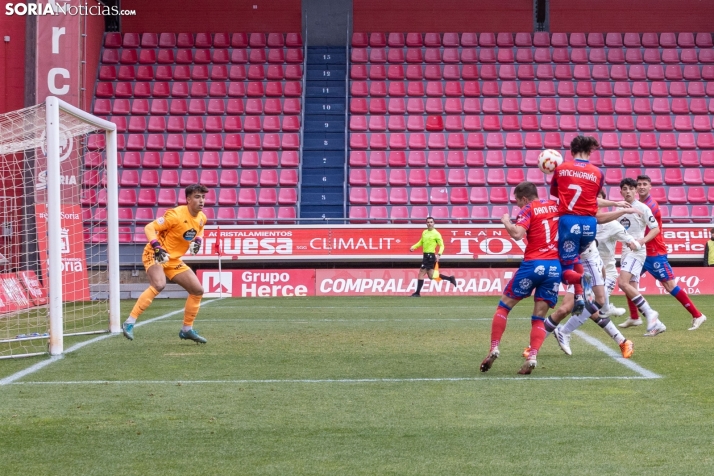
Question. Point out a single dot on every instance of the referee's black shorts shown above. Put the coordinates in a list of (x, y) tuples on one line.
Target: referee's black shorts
[(428, 261)]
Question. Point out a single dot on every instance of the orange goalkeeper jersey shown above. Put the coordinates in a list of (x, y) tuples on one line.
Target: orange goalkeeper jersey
[(175, 230)]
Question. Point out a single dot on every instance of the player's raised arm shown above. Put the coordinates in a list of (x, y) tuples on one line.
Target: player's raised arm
[(516, 232), (606, 217), (603, 202)]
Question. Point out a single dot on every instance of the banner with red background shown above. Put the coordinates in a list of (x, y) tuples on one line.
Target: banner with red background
[(398, 282), (392, 243)]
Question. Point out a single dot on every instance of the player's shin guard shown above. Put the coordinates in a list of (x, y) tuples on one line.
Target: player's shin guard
[(611, 330), (193, 302), (144, 301), (634, 313), (682, 296), (498, 325), (538, 335)]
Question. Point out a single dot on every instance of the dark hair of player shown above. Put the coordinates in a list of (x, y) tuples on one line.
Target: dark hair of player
[(583, 145), (601, 193), (429, 218), (526, 190), (630, 182), (644, 177), (195, 188)]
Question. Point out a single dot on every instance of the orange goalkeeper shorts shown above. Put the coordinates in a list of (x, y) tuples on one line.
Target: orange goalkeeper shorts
[(173, 267)]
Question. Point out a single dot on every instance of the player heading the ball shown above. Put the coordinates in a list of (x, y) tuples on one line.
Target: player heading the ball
[(576, 184), (169, 237)]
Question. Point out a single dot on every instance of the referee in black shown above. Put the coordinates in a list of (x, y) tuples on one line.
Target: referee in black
[(430, 238)]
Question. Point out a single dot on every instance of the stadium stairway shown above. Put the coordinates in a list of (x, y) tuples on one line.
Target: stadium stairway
[(323, 171)]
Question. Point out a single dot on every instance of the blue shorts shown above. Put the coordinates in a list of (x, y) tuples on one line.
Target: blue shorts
[(541, 275), (575, 233), (659, 268)]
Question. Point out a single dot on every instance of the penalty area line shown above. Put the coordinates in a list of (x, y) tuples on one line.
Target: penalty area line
[(314, 381), (40, 365), (617, 357)]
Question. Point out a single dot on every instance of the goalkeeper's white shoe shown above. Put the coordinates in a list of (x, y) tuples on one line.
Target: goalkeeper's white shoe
[(697, 321)]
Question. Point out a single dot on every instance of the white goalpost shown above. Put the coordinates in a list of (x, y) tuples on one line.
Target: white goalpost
[(59, 228)]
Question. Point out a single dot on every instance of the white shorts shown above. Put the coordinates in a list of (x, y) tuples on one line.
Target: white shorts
[(632, 264), (593, 268)]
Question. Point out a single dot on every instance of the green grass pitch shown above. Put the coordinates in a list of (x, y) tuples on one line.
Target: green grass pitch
[(378, 385)]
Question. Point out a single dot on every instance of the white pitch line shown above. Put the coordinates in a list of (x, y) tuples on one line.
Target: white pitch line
[(617, 357), (389, 308), (40, 365), (308, 321), (313, 381)]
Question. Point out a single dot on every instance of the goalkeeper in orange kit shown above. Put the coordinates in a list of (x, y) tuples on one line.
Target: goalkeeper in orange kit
[(170, 236)]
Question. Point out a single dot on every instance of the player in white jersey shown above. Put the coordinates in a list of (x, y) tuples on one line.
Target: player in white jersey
[(632, 261), (608, 235), (593, 270)]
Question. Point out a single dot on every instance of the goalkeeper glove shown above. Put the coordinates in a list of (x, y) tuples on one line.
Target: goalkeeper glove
[(160, 254), (195, 245)]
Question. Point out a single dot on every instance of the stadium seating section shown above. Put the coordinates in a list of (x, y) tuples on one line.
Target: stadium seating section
[(448, 124), (223, 110), (442, 124)]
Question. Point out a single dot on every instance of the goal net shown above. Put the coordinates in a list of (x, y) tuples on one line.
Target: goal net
[(59, 250)]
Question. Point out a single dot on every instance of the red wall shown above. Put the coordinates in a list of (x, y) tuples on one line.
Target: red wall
[(631, 15), (442, 16), (217, 16), (94, 39), (12, 61)]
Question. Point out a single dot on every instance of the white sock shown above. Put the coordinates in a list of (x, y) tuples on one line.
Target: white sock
[(576, 321), (130, 320), (645, 309), (614, 333), (186, 328)]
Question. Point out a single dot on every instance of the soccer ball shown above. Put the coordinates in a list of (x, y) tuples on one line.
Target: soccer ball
[(548, 160)]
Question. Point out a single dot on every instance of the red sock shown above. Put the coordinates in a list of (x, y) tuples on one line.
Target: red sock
[(498, 325), (537, 337), (682, 296), (578, 268), (574, 277), (634, 312), (571, 277)]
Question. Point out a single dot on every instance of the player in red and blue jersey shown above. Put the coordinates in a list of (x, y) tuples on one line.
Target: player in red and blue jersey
[(576, 184), (539, 271), (656, 262)]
